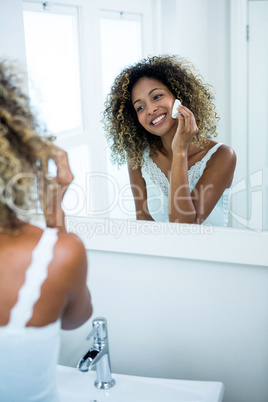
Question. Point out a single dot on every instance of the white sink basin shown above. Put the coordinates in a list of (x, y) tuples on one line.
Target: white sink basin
[(74, 386)]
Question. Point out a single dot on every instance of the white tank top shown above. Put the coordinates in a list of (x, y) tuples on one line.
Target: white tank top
[(29, 355), (157, 186)]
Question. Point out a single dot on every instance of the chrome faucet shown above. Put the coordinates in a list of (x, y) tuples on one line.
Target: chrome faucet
[(98, 355)]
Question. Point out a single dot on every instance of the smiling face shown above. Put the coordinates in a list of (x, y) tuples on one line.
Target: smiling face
[(153, 103)]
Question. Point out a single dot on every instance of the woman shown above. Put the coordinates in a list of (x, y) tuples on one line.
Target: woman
[(42, 272), (177, 172)]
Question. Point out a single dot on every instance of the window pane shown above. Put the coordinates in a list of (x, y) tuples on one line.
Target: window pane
[(53, 60), (121, 45)]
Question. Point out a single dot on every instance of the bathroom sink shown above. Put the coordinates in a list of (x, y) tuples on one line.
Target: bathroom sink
[(74, 386)]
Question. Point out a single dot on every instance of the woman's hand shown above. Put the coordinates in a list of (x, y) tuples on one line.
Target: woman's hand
[(55, 189), (64, 175), (187, 129)]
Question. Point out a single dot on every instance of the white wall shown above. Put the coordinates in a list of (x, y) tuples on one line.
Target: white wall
[(178, 318)]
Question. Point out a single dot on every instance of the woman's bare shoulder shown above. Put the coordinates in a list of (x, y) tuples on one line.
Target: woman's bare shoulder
[(69, 246), (70, 241), (69, 265), (69, 249), (222, 163), (224, 152)]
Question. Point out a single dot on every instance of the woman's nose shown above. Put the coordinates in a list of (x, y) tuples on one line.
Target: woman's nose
[(152, 109)]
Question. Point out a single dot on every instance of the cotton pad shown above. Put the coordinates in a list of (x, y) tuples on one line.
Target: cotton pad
[(174, 109)]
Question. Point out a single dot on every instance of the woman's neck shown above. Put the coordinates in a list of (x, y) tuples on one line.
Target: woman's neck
[(166, 144), (166, 149)]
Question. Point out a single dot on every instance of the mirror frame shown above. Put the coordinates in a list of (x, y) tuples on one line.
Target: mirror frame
[(173, 240)]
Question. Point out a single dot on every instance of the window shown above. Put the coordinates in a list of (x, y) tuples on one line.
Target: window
[(71, 62)]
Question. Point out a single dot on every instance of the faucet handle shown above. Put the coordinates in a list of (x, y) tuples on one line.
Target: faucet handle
[(99, 330)]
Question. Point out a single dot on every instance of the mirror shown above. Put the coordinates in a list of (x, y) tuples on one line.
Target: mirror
[(211, 44)]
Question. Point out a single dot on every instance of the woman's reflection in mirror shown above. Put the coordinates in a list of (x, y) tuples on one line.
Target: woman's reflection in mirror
[(178, 173)]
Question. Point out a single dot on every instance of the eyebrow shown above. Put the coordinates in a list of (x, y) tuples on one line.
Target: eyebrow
[(152, 90)]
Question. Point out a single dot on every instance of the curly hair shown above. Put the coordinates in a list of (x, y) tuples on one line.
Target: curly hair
[(127, 138), (23, 152)]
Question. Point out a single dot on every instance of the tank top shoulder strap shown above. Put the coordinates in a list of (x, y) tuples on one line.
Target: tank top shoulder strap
[(211, 152), (146, 154), (202, 164), (196, 171), (35, 275)]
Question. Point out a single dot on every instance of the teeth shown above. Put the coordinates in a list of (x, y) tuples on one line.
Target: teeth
[(158, 119)]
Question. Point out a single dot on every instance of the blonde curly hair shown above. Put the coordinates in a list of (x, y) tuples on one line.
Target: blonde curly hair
[(23, 153), (128, 140)]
